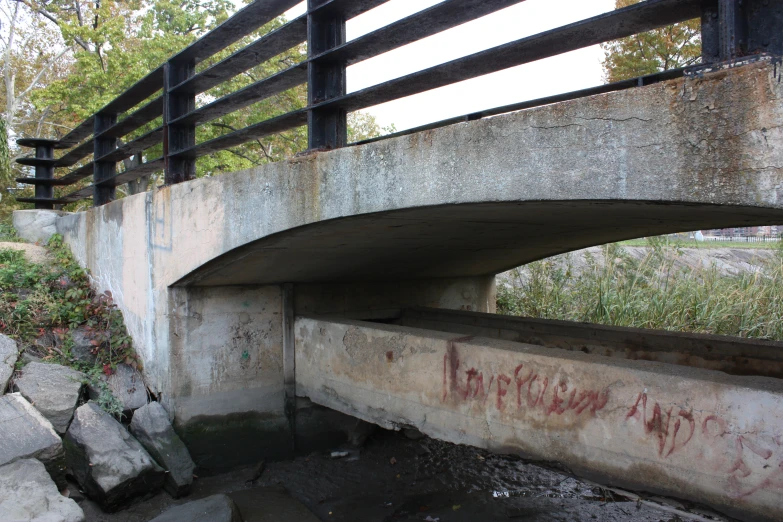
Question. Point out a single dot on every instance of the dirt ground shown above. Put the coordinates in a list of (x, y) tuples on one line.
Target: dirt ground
[(394, 478)]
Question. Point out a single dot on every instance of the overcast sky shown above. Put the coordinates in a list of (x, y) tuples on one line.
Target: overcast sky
[(568, 72)]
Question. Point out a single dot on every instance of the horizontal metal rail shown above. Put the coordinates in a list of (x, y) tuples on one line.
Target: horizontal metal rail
[(245, 21), (135, 120), (323, 71), (127, 150), (638, 18), (276, 125), (263, 49), (609, 26), (76, 154), (436, 19), (258, 91)]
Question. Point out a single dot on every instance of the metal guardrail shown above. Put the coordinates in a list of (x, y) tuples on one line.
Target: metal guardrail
[(730, 29)]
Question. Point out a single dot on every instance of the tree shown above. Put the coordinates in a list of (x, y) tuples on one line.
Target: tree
[(669, 47)]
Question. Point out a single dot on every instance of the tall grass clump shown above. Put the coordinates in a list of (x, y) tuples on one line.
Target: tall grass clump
[(651, 292)]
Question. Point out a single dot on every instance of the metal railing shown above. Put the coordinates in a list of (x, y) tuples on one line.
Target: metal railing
[(730, 29)]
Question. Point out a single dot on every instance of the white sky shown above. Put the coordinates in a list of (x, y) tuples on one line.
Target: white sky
[(567, 72)]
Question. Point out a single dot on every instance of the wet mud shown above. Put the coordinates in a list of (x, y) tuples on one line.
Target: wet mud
[(395, 478)]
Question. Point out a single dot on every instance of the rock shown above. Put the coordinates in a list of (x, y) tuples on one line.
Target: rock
[(107, 462), (127, 385), (81, 350), (36, 226), (53, 389), (26, 434), (9, 352), (28, 357), (28, 493), (217, 508), (151, 427)]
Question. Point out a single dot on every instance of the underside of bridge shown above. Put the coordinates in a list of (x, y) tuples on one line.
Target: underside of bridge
[(457, 240)]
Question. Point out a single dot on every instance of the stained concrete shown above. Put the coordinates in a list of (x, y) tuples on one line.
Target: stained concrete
[(685, 432)]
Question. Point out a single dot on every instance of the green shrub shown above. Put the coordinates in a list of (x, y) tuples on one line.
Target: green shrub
[(48, 301)]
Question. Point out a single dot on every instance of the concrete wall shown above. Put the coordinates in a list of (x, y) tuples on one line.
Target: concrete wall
[(732, 355), (685, 432)]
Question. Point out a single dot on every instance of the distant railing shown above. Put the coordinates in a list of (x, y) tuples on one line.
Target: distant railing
[(730, 29), (743, 239)]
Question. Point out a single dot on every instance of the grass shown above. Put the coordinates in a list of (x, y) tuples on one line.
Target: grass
[(650, 293), (40, 304)]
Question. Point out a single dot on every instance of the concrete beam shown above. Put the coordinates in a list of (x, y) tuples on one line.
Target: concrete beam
[(732, 355), (684, 432)]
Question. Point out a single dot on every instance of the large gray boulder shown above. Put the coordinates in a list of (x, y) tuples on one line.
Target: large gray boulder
[(151, 427), (26, 434), (217, 508), (53, 389), (128, 386), (9, 353), (28, 493), (108, 463), (36, 226)]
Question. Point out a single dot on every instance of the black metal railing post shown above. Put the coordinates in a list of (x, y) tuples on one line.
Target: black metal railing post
[(326, 128), (43, 161), (103, 170), (735, 28), (177, 137)]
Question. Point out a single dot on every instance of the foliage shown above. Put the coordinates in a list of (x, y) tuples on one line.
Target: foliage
[(669, 47), (7, 232), (40, 302), (652, 292), (105, 398)]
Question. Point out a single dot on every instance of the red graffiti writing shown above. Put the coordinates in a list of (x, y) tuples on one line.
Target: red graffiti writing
[(750, 464), (659, 424), (533, 390)]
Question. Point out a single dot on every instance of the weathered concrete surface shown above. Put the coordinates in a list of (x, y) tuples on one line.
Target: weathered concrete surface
[(684, 432), (732, 355), (26, 434), (27, 493), (53, 389), (36, 226)]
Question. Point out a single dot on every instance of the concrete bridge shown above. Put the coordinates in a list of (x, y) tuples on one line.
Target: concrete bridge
[(362, 279)]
